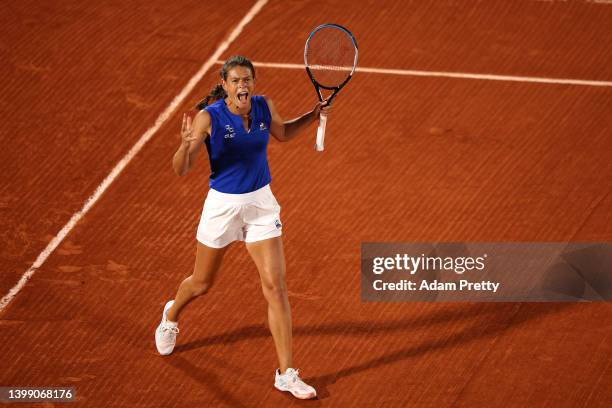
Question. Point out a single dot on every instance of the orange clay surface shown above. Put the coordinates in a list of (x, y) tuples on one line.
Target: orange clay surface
[(406, 159)]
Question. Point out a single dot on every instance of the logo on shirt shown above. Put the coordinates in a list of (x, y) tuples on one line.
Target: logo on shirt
[(262, 127), (278, 224), (230, 132)]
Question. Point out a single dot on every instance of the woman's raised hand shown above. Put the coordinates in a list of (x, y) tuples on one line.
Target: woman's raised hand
[(187, 135)]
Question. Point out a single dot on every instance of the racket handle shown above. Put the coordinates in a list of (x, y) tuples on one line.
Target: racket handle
[(321, 133)]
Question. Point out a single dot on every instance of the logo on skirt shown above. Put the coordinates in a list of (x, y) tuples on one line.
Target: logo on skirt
[(278, 224)]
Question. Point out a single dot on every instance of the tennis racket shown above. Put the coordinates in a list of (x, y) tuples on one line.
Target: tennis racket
[(330, 56)]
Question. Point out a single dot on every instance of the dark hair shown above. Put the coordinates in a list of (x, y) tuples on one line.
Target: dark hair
[(236, 60), (217, 92)]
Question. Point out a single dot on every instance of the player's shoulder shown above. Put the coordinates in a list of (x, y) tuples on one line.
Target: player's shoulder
[(215, 106), (202, 118), (259, 99), (267, 100), (269, 104), (202, 114), (212, 110)]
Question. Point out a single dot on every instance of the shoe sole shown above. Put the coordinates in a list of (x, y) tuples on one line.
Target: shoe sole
[(298, 396)]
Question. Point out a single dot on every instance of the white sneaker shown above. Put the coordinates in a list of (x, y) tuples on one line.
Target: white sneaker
[(291, 381), (165, 335)]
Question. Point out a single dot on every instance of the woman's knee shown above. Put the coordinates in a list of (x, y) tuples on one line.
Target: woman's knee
[(275, 291), (200, 286)]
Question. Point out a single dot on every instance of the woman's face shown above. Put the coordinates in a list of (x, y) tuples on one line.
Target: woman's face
[(239, 86)]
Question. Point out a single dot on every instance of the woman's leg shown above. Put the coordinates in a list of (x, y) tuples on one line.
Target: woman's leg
[(207, 263), (269, 258)]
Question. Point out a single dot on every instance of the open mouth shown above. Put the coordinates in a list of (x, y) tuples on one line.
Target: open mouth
[(242, 96)]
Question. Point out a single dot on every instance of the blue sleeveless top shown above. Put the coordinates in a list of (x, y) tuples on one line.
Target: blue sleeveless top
[(238, 158)]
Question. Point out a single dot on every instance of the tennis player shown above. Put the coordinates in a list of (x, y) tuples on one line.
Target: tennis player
[(240, 205)]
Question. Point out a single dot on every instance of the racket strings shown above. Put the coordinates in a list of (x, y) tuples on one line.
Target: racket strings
[(330, 55)]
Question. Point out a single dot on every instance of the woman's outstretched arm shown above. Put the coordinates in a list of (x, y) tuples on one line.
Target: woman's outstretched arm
[(283, 131)]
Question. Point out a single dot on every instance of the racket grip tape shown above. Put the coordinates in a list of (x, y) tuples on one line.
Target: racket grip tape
[(319, 145)]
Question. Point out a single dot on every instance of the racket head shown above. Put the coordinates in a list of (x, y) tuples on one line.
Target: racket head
[(330, 56)]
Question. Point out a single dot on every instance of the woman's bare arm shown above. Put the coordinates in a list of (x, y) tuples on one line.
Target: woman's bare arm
[(192, 137), (283, 131)]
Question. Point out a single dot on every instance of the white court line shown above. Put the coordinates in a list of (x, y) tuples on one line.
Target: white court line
[(585, 1), (130, 155), (408, 72)]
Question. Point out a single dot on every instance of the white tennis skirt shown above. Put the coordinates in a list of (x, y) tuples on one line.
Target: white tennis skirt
[(248, 217)]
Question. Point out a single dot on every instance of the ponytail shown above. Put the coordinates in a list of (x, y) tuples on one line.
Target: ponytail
[(215, 94)]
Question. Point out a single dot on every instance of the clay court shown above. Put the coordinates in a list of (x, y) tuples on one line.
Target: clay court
[(433, 151)]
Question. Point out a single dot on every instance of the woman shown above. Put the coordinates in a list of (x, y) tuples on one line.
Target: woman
[(240, 205)]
